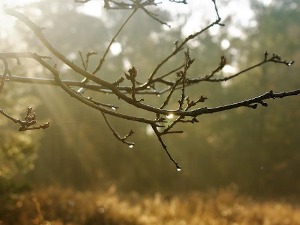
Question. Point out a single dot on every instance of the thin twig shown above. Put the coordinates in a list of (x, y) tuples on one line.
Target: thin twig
[(28, 123), (274, 58), (79, 97), (177, 49), (244, 103), (122, 139), (158, 135), (155, 17), (166, 102), (99, 66)]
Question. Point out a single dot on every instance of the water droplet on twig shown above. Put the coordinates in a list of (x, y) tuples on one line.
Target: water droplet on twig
[(170, 116)]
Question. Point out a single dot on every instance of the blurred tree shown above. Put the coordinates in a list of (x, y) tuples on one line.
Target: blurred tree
[(75, 146), (18, 151), (263, 154), (77, 136)]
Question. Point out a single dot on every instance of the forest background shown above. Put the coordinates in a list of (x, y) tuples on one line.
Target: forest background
[(257, 151)]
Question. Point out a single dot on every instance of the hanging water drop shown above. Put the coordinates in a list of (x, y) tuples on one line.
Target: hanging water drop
[(81, 90), (114, 108), (290, 63), (178, 168), (130, 146), (170, 116)]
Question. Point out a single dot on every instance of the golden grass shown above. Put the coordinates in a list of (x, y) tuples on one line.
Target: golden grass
[(65, 207)]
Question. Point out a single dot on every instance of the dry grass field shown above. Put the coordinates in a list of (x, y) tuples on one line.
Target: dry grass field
[(54, 206)]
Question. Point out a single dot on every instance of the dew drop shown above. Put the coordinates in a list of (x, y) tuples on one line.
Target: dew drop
[(158, 96), (148, 87), (178, 168), (130, 146), (81, 90), (114, 108), (170, 116), (290, 63)]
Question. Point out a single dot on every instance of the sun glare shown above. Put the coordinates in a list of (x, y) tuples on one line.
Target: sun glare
[(7, 22), (116, 48), (91, 8), (15, 3)]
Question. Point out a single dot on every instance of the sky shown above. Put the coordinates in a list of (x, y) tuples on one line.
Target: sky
[(198, 11), (7, 22)]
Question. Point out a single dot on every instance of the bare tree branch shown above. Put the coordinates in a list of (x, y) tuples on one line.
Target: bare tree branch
[(122, 139), (177, 79), (29, 122)]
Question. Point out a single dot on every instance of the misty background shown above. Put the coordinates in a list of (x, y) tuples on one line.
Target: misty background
[(256, 150)]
